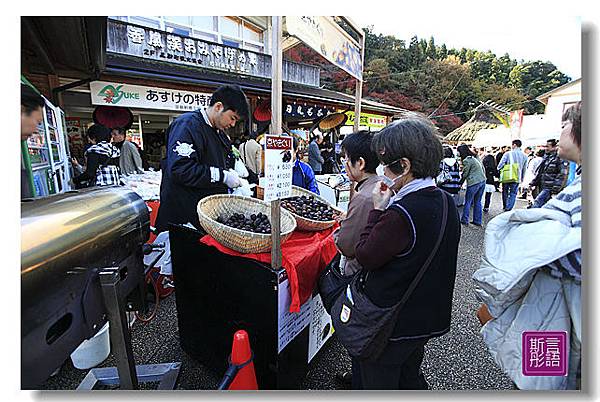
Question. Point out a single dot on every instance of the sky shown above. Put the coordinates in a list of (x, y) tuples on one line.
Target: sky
[(554, 38)]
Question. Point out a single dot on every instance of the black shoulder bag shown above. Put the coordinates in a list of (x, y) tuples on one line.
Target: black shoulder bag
[(365, 328), (332, 283)]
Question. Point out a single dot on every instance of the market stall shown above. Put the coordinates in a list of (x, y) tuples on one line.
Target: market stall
[(254, 264)]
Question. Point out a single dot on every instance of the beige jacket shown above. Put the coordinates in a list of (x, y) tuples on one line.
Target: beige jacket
[(251, 153), (348, 234)]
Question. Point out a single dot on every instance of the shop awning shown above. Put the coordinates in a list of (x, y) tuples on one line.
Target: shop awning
[(70, 46), (134, 67)]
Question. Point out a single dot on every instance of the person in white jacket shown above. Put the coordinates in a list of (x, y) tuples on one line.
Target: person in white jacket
[(530, 275), (532, 169)]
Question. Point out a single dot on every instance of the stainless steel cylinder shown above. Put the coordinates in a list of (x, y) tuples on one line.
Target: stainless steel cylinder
[(66, 240)]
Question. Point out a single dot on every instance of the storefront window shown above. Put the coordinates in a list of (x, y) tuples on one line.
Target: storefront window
[(252, 34), (230, 31), (145, 21), (229, 27), (178, 19), (203, 23)]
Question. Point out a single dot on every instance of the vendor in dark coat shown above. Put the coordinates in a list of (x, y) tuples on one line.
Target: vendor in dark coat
[(196, 162)]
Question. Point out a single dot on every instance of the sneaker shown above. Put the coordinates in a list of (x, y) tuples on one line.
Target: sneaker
[(345, 377), (464, 223), (486, 209), (477, 224)]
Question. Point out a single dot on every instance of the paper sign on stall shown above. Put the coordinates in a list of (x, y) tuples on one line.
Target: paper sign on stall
[(289, 325), (321, 328), (278, 167)]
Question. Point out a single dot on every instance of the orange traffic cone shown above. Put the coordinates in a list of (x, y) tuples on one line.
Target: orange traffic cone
[(241, 355)]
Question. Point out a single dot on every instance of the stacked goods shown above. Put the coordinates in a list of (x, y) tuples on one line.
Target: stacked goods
[(242, 223), (309, 207), (312, 212), (146, 185), (257, 223)]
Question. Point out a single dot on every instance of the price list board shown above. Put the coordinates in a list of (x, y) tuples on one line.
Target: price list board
[(278, 167)]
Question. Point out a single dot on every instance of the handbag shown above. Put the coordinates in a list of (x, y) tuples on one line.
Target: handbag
[(443, 177), (510, 171), (365, 328), (332, 283)]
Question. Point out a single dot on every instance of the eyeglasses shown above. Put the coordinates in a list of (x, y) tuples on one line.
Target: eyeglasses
[(392, 163)]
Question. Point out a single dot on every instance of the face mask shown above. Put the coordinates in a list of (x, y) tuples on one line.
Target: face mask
[(390, 182)]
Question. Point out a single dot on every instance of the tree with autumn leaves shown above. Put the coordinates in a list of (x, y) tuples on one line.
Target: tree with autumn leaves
[(445, 84)]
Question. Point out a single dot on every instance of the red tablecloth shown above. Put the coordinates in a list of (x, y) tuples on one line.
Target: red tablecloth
[(304, 256), (153, 204)]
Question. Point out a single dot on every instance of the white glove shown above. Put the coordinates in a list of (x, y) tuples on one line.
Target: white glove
[(231, 178), (244, 190)]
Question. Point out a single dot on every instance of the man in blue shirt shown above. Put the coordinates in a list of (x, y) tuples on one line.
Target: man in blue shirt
[(302, 174)]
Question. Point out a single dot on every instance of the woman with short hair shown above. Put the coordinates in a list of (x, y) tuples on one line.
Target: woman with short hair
[(474, 175), (400, 235)]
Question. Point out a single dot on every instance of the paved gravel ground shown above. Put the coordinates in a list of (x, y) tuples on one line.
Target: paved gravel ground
[(456, 361)]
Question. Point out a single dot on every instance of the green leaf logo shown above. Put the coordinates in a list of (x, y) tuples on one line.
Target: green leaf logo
[(111, 94)]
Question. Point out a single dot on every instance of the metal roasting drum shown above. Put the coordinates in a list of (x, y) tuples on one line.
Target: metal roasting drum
[(66, 240)]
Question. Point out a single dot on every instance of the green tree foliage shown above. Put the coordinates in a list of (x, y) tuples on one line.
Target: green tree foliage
[(431, 51), (443, 52), (534, 78), (446, 84)]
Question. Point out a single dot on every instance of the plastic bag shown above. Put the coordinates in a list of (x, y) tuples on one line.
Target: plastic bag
[(240, 168), (244, 190)]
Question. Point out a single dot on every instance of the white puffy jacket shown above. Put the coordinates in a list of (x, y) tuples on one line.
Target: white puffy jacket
[(523, 294)]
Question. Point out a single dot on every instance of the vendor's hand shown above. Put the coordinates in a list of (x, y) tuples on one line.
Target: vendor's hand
[(339, 216), (231, 179), (381, 196), (74, 162)]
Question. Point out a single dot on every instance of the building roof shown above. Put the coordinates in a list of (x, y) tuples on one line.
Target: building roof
[(133, 66), (555, 90), (467, 132), (486, 116)]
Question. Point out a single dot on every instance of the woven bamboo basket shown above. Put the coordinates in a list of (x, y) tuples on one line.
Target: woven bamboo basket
[(243, 241), (306, 224)]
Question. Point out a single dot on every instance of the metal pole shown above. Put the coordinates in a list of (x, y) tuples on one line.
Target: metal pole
[(359, 82), (120, 338), (276, 123)]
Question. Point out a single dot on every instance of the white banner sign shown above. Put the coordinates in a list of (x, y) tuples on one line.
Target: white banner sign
[(136, 96), (278, 167), (326, 37), (289, 325), (321, 328)]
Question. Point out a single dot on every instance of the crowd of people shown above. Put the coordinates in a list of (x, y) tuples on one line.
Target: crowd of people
[(535, 175), (388, 231), (399, 238)]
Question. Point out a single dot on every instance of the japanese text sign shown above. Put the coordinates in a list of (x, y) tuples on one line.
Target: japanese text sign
[(116, 94), (154, 44), (278, 167), (327, 38)]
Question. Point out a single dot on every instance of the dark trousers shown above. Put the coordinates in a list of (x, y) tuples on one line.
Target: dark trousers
[(399, 367), (488, 199)]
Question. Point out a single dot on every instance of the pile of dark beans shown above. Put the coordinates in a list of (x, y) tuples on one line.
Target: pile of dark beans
[(308, 207), (257, 223)]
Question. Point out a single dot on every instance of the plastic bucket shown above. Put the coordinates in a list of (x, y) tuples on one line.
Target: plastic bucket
[(92, 351)]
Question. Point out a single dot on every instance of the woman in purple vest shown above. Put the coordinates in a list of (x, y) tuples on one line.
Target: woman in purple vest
[(401, 232)]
